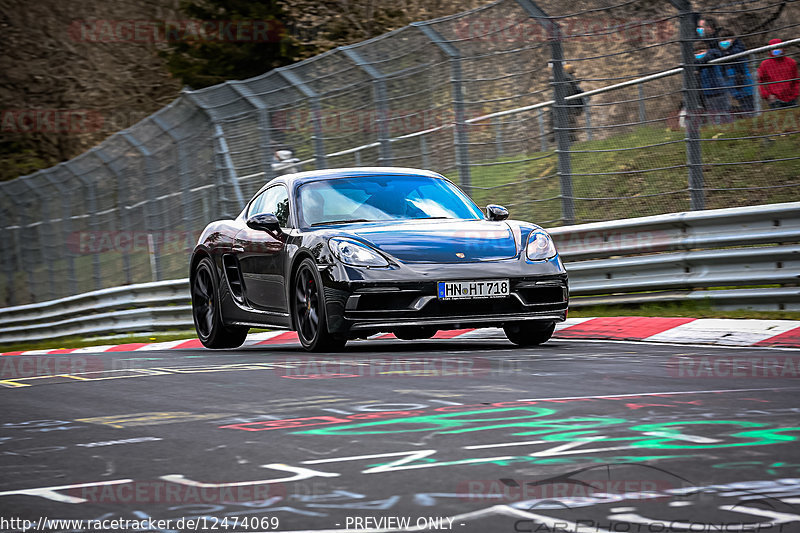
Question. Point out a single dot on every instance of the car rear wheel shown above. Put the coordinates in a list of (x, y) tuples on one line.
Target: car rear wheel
[(529, 333), (410, 333), (309, 311), (211, 330)]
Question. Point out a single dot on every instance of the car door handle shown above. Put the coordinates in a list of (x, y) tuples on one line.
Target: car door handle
[(238, 249)]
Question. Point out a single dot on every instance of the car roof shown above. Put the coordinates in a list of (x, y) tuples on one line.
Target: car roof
[(298, 178)]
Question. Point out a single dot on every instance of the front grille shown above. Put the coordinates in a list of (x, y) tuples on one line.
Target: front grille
[(542, 295), (399, 301), (536, 298), (494, 306)]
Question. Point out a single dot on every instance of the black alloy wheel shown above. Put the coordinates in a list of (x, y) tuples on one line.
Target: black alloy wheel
[(206, 312), (309, 311)]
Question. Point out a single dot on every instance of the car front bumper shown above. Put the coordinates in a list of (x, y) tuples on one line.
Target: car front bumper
[(384, 300)]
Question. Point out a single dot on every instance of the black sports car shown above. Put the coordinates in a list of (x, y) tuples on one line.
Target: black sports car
[(346, 253)]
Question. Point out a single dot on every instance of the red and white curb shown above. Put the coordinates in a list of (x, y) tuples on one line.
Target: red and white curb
[(716, 331)]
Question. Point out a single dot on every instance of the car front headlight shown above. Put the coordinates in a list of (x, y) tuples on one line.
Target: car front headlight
[(354, 253), (540, 246)]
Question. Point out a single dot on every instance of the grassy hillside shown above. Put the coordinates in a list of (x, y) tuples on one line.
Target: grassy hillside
[(620, 183)]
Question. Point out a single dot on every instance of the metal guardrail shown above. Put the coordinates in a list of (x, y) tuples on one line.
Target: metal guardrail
[(661, 258), (626, 260)]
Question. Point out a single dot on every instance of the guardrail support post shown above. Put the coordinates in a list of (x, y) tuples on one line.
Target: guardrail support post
[(460, 135), (691, 99), (94, 223), (380, 98), (316, 113)]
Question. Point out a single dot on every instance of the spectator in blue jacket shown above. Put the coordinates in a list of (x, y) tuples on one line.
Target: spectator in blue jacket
[(737, 75), (713, 84)]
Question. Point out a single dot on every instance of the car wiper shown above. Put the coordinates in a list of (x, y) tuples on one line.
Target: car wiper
[(340, 222)]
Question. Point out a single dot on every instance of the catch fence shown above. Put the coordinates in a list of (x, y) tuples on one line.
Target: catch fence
[(469, 95)]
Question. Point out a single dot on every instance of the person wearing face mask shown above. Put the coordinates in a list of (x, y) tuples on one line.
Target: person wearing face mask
[(707, 31), (737, 74), (778, 77), (713, 84)]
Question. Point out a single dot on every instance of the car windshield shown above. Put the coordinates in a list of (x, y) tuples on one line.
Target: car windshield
[(377, 198)]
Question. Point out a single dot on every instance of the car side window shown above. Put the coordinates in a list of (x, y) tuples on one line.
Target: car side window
[(274, 200)]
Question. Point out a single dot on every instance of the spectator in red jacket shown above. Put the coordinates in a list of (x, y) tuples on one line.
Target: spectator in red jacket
[(779, 78)]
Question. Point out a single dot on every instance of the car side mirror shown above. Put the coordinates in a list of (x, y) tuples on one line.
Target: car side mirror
[(496, 212), (264, 222)]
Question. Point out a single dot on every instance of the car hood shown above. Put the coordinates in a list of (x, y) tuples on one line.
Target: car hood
[(442, 241)]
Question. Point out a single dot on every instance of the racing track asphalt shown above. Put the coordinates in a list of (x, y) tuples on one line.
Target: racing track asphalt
[(596, 434)]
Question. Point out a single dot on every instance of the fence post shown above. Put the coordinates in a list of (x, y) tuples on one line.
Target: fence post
[(642, 108), (588, 110), (561, 121), (122, 196), (460, 136), (94, 223), (264, 126), (222, 156), (542, 131), (9, 259), (423, 148), (691, 99), (7, 263), (498, 135), (754, 79), (65, 229), (380, 98), (150, 204), (316, 113), (182, 164)]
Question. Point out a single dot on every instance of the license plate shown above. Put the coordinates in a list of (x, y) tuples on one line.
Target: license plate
[(468, 290)]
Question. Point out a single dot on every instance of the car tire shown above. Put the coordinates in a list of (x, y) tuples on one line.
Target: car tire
[(206, 312), (309, 313), (529, 333), (411, 333)]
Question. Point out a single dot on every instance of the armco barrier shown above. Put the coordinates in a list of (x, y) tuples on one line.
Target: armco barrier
[(640, 260)]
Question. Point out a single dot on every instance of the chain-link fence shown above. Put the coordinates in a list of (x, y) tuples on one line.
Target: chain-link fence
[(564, 115)]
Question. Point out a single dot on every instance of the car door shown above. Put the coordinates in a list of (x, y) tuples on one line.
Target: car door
[(262, 254)]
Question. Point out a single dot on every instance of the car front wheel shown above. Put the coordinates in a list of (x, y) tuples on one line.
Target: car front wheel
[(206, 311), (529, 333), (309, 311)]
